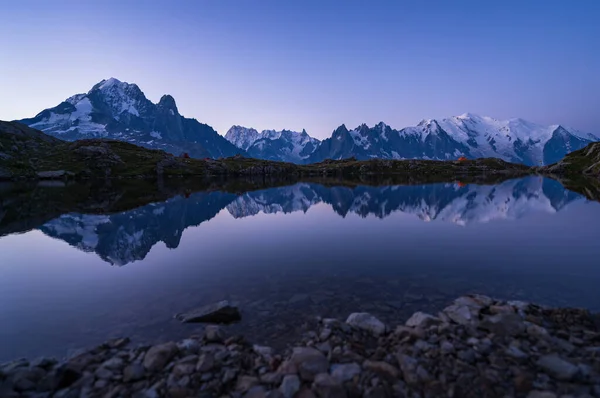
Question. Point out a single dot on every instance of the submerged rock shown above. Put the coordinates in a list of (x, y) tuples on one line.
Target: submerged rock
[(221, 312)]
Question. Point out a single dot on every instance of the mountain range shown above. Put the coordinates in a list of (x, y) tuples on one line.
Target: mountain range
[(128, 236), (118, 110), (468, 135)]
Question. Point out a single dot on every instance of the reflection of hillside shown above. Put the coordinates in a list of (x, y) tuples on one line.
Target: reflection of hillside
[(123, 237)]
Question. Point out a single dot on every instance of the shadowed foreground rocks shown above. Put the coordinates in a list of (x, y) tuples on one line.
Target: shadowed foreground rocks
[(476, 347)]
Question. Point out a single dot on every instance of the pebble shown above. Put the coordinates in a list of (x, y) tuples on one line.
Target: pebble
[(309, 362), (345, 372), (557, 367), (290, 385), (133, 372), (422, 320), (447, 347), (367, 322), (460, 314), (244, 383), (326, 386), (159, 355), (382, 368), (205, 362), (213, 334)]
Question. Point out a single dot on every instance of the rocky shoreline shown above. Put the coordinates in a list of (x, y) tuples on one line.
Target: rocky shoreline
[(476, 347)]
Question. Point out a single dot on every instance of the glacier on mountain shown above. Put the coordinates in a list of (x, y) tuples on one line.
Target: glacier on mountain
[(284, 145), (469, 135)]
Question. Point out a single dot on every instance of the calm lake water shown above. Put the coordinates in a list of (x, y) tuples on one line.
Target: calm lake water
[(288, 254)]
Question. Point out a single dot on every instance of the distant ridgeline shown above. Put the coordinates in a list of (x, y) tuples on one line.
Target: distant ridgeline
[(117, 110)]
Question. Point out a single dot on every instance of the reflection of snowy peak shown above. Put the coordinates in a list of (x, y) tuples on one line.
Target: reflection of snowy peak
[(473, 136), (125, 237), (455, 203), (299, 197), (285, 145), (118, 110)]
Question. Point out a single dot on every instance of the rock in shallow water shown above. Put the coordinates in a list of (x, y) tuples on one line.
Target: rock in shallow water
[(221, 312)]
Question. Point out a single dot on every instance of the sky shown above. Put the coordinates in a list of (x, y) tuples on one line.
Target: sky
[(311, 64)]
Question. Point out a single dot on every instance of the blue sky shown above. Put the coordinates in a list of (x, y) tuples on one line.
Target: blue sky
[(312, 64)]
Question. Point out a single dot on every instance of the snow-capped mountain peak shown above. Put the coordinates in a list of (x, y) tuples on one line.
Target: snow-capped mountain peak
[(242, 137), (107, 84), (120, 110), (120, 97), (283, 145)]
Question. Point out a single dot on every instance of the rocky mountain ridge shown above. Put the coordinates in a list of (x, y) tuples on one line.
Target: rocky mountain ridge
[(284, 145), (117, 110), (468, 135)]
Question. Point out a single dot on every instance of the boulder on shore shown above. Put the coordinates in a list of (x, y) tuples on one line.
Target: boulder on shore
[(221, 312)]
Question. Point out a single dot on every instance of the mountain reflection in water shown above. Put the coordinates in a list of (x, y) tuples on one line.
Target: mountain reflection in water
[(128, 236)]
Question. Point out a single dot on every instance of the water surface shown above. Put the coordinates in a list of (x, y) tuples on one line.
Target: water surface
[(287, 254)]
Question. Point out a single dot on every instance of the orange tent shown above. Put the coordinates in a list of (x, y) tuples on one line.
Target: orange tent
[(462, 159)]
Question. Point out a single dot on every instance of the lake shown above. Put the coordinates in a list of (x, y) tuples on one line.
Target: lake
[(285, 254)]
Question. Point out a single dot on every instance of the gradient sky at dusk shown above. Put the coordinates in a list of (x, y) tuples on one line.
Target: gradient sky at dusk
[(311, 64)]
